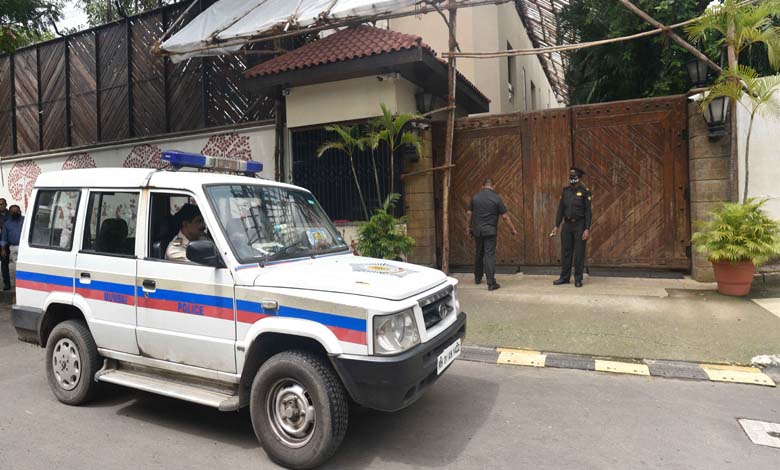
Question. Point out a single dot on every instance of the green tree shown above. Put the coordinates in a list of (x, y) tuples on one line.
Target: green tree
[(740, 25), (393, 132), (24, 22), (651, 66), (759, 95), (104, 11), (348, 141)]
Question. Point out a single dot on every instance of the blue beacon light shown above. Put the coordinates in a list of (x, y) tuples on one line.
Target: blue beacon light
[(179, 159)]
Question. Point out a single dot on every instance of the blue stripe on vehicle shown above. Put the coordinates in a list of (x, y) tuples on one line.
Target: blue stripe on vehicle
[(251, 307), (324, 318), (45, 278), (210, 300), (104, 286), (190, 297)]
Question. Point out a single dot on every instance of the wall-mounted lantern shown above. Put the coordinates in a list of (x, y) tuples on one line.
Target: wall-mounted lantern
[(424, 102), (715, 114), (698, 72)]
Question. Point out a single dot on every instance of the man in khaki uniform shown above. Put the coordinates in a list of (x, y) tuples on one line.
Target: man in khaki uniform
[(192, 228)]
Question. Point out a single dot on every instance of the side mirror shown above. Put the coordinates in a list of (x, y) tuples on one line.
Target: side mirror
[(204, 252)]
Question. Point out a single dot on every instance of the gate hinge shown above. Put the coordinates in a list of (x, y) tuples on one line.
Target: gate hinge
[(688, 253), (684, 134), (687, 193)]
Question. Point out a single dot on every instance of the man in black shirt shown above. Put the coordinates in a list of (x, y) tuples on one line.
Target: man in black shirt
[(484, 209), (575, 212)]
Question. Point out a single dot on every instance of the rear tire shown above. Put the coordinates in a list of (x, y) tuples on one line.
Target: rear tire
[(299, 409), (72, 360)]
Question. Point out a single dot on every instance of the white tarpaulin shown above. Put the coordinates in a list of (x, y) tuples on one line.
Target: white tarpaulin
[(228, 24)]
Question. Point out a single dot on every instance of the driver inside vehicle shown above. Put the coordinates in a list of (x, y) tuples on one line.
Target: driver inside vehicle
[(192, 228)]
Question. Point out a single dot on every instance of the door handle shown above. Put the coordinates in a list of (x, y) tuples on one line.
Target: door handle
[(149, 285), (85, 278)]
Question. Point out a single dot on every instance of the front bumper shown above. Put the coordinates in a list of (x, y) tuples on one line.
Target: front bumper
[(27, 322), (390, 383)]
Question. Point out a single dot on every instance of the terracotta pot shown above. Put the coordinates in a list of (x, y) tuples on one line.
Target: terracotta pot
[(734, 278)]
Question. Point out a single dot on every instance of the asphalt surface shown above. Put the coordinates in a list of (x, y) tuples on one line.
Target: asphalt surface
[(477, 416)]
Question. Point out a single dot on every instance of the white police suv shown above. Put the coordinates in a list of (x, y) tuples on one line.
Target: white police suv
[(270, 309)]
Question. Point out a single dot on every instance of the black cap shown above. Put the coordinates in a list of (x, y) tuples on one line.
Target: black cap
[(577, 171), (187, 213)]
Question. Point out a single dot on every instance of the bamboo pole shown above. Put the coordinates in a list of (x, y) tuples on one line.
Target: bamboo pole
[(451, 82), (733, 150), (427, 170)]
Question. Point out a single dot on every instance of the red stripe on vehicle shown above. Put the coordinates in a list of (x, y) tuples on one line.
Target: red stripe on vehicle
[(350, 336), (42, 286), (342, 334), (186, 307), (250, 317), (105, 296)]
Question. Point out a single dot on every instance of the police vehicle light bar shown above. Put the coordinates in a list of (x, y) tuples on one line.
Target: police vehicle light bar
[(194, 160)]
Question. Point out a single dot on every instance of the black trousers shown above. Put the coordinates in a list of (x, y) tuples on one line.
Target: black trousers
[(5, 261), (485, 258), (572, 244)]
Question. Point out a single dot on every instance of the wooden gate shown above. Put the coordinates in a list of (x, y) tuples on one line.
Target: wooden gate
[(636, 163)]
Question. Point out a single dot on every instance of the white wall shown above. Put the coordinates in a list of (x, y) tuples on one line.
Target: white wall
[(488, 29), (19, 174), (348, 100), (764, 158)]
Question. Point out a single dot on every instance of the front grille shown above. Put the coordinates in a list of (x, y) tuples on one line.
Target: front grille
[(436, 307)]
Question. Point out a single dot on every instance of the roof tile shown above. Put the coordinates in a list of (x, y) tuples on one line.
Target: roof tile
[(347, 44)]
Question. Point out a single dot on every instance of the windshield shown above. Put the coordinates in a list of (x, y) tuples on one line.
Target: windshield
[(266, 223)]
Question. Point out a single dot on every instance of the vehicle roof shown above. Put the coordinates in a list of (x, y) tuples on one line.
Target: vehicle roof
[(125, 178)]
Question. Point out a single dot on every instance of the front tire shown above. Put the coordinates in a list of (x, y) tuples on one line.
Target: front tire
[(72, 360), (299, 409)]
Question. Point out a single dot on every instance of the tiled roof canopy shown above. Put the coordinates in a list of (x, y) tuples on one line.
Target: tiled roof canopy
[(399, 52), (348, 44)]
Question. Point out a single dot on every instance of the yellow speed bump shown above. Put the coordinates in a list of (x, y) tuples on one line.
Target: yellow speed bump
[(521, 357), (737, 374), (622, 367)]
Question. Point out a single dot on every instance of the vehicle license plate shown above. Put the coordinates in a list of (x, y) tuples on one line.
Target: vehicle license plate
[(447, 356)]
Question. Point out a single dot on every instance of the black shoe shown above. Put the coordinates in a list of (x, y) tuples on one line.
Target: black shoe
[(477, 281), (558, 282), (577, 283), (494, 286), (7, 287)]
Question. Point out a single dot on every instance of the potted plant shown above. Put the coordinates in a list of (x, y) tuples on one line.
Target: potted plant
[(738, 239)]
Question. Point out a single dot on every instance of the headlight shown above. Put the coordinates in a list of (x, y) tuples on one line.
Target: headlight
[(395, 333)]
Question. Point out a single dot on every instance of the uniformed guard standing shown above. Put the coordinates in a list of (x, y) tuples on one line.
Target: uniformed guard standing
[(574, 210)]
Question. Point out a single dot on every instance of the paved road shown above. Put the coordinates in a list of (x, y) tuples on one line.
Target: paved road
[(478, 416)]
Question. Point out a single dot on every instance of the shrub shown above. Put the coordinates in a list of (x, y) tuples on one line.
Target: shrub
[(382, 236), (739, 232)]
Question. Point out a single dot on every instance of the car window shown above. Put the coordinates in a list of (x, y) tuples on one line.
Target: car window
[(111, 223), (163, 223), (54, 217), (266, 223)]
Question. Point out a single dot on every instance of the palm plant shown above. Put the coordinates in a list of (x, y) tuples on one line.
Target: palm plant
[(739, 232), (348, 141), (739, 24), (372, 140), (759, 95), (394, 134)]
